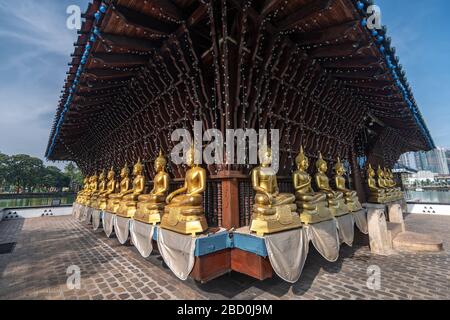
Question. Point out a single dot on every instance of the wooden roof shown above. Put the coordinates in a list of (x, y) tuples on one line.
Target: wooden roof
[(309, 67)]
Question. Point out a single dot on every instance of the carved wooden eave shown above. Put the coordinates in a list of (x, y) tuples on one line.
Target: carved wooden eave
[(305, 67)]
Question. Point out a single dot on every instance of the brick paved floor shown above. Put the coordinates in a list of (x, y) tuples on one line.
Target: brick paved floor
[(46, 247)]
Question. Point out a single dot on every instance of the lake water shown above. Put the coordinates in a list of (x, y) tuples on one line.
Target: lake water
[(34, 202), (429, 196)]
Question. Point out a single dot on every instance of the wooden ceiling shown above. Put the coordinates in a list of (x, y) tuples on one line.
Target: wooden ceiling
[(306, 67)]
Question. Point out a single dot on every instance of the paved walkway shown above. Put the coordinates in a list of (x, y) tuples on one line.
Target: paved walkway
[(46, 247)]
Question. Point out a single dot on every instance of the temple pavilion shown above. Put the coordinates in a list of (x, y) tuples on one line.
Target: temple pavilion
[(310, 68)]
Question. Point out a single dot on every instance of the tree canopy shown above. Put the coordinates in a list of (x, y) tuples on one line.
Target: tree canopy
[(24, 173)]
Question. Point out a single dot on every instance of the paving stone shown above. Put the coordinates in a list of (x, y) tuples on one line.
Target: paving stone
[(47, 246)]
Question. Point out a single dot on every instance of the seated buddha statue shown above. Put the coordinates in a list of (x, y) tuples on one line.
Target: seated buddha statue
[(350, 196), (92, 190), (312, 206), (101, 188), (124, 185), (376, 194), (336, 201), (128, 203), (272, 211), (109, 189), (150, 206), (382, 183), (389, 178), (83, 191), (184, 211)]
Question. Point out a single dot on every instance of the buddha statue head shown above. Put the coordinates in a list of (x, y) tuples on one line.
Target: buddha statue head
[(265, 156), (138, 168), (111, 174), (102, 175), (160, 162), (339, 168), (191, 156), (321, 164), (124, 173), (302, 160)]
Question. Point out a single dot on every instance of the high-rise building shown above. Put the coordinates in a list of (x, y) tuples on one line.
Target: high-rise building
[(408, 160), (436, 161), (421, 161)]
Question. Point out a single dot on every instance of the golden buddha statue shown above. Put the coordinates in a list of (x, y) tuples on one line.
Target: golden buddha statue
[(101, 188), (109, 189), (124, 185), (377, 194), (184, 211), (272, 211), (93, 189), (128, 203), (150, 207), (312, 206), (336, 201), (389, 177), (390, 194), (83, 191), (351, 197)]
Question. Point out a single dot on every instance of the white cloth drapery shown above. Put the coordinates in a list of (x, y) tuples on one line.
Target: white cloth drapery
[(142, 235), (325, 238), (346, 228), (122, 229), (361, 221), (82, 214), (178, 252), (87, 218), (108, 223), (287, 253), (96, 219)]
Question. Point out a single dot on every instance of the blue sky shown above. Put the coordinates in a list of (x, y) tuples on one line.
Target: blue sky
[(36, 47)]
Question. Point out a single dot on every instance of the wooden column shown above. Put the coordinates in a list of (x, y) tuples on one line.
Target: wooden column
[(230, 197), (357, 178)]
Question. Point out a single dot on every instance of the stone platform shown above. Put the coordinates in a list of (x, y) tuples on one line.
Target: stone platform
[(47, 246)]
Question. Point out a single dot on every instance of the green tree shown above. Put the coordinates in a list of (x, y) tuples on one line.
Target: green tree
[(74, 174), (24, 172), (3, 170)]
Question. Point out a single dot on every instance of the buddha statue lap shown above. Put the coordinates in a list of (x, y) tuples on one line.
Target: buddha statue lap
[(101, 188), (110, 188), (150, 207), (336, 201), (124, 185), (128, 203), (376, 194), (350, 196), (312, 206), (272, 211), (184, 212)]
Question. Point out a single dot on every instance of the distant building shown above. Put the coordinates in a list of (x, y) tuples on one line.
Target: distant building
[(437, 161), (409, 160)]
